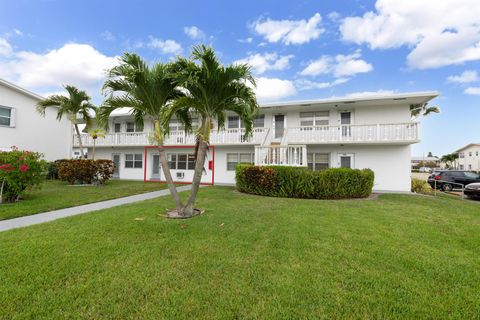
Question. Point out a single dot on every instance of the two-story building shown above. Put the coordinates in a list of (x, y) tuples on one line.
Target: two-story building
[(22, 126), (369, 132), (469, 157)]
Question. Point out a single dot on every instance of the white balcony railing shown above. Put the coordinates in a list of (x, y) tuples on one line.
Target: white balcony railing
[(398, 132), (222, 137), (292, 155)]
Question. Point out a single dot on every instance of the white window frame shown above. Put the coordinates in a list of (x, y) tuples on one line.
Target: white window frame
[(11, 118), (237, 162), (135, 127), (315, 118), (314, 155), (189, 163), (134, 160), (260, 117)]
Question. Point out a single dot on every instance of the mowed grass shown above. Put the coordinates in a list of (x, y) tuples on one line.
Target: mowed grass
[(249, 257), (58, 194)]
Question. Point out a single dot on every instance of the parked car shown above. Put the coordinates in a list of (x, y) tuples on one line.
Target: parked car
[(452, 179), (425, 169), (472, 190)]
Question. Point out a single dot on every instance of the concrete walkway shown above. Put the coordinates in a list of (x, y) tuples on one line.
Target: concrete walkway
[(73, 211)]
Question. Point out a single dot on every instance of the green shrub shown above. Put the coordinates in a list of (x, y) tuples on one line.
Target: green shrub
[(421, 186), (19, 171), (85, 171), (295, 182)]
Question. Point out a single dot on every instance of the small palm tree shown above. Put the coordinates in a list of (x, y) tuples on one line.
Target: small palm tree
[(449, 159), (146, 91), (95, 134), (212, 90), (77, 103), (422, 109)]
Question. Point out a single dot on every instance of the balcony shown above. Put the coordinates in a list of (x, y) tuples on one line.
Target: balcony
[(222, 137), (292, 155), (398, 133), (375, 133)]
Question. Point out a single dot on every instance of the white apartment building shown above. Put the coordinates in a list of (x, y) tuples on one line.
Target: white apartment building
[(373, 132), (469, 157), (22, 126)]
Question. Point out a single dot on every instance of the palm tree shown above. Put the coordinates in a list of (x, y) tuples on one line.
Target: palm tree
[(423, 109), (95, 134), (449, 159), (211, 90), (146, 91), (77, 103)]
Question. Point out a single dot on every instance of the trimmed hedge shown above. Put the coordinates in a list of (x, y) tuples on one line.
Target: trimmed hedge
[(85, 171), (295, 182)]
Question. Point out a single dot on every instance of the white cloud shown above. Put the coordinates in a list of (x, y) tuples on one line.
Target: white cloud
[(165, 46), (194, 32), (268, 61), (5, 47), (473, 90), (77, 64), (246, 40), (440, 33), (304, 84), (466, 76), (18, 32), (339, 66), (107, 35), (289, 31), (272, 89)]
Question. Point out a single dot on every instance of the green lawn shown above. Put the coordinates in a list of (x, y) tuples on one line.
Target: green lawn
[(249, 257), (57, 194)]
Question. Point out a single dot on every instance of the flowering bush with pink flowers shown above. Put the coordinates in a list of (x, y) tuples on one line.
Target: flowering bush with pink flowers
[(19, 170)]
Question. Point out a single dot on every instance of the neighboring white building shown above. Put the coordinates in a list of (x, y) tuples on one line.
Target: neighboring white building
[(370, 132), (22, 126), (469, 157)]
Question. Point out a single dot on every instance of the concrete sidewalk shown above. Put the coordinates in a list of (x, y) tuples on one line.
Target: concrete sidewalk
[(73, 211)]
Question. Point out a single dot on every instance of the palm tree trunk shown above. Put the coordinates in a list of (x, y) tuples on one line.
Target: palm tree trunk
[(79, 140), (169, 179), (188, 210), (93, 151)]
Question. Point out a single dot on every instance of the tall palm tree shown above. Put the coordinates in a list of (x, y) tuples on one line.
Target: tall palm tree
[(422, 109), (77, 103), (146, 91), (95, 134), (449, 159), (212, 90)]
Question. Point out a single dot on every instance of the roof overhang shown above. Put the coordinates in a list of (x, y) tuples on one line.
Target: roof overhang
[(20, 90), (370, 100), (467, 146)]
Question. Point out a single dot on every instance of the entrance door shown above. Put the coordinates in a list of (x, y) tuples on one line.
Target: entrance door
[(346, 122), (156, 167), (116, 166), (346, 160), (279, 125)]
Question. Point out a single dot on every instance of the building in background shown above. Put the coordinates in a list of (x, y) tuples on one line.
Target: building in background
[(469, 157), (373, 132), (22, 126), (431, 162)]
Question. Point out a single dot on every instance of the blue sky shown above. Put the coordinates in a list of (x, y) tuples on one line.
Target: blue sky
[(299, 49)]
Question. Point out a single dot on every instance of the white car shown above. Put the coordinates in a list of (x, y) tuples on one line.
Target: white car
[(425, 169)]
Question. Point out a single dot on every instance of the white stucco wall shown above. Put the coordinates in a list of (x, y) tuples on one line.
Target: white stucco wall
[(32, 131), (391, 164)]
